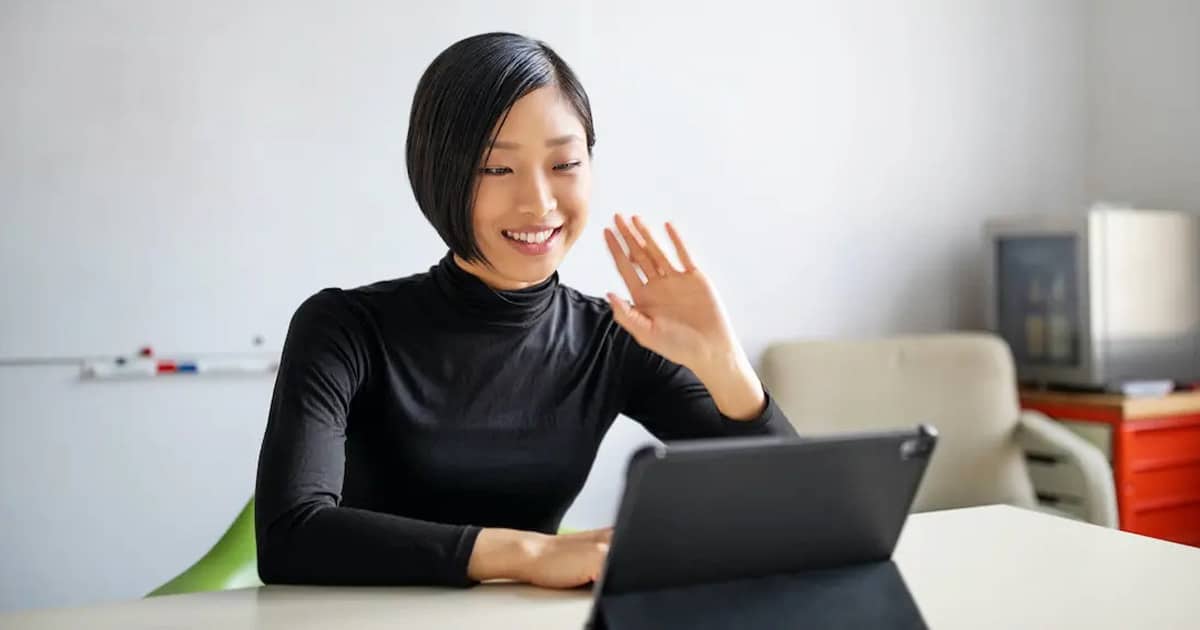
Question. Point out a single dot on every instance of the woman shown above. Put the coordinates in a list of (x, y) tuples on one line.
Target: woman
[(433, 429)]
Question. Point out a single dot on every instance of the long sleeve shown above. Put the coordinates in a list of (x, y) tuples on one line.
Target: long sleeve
[(303, 534), (673, 404)]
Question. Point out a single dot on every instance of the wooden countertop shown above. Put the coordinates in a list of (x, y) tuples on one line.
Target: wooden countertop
[(1128, 407)]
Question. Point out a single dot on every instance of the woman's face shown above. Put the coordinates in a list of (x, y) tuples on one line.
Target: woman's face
[(532, 200)]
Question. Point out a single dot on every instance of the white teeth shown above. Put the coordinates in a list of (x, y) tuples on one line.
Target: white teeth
[(530, 237)]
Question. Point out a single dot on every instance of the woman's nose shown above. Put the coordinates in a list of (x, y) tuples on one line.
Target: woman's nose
[(534, 195)]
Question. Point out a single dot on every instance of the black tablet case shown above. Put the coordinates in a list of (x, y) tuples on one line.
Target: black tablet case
[(764, 532)]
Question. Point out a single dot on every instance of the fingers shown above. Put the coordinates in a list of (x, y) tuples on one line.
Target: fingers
[(645, 254), (603, 538), (579, 559), (661, 263), (629, 318), (637, 249), (680, 248), (603, 535), (624, 266)]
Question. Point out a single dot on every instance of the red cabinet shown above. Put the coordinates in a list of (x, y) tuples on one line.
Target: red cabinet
[(1154, 447)]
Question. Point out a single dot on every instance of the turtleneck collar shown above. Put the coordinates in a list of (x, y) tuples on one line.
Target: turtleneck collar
[(470, 296)]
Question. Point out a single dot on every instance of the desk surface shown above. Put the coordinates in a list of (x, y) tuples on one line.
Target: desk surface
[(987, 567)]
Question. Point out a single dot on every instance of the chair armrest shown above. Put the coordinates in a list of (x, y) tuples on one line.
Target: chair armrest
[(1039, 435)]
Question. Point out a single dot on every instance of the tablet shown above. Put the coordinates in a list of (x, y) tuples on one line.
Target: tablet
[(705, 511)]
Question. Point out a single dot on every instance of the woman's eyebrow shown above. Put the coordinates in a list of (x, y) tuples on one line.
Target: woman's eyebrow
[(552, 142)]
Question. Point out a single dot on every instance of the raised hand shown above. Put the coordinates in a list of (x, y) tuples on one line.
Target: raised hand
[(675, 311)]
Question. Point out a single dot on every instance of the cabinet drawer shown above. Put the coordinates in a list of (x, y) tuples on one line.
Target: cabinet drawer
[(1179, 524), (1162, 446), (1163, 486)]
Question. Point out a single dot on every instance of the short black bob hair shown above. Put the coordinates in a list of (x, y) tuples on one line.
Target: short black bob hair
[(460, 98)]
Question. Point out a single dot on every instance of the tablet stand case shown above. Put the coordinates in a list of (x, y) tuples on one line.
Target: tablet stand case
[(861, 596), (843, 576)]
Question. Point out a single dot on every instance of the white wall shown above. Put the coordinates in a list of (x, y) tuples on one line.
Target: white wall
[(830, 162), (1144, 102)]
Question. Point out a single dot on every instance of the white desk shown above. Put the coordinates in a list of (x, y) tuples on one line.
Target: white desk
[(989, 567)]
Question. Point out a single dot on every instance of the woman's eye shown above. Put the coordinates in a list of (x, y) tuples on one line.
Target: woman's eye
[(495, 170), (566, 166)]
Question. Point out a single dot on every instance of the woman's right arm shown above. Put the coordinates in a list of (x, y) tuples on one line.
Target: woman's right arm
[(305, 536)]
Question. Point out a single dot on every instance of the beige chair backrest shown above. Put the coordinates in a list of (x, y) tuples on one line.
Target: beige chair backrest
[(964, 384)]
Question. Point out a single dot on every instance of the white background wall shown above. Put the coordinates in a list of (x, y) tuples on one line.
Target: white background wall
[(1144, 102), (184, 173)]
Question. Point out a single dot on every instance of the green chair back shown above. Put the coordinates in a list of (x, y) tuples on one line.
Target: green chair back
[(231, 563)]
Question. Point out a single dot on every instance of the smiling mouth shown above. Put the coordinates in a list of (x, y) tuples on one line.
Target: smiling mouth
[(532, 238), (539, 243)]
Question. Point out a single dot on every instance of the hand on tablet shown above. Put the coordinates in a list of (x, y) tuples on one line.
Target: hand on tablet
[(550, 561), (567, 560)]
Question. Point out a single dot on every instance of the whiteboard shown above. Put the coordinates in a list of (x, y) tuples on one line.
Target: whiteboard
[(185, 175)]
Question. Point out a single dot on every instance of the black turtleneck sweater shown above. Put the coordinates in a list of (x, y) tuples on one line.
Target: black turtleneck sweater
[(410, 413)]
